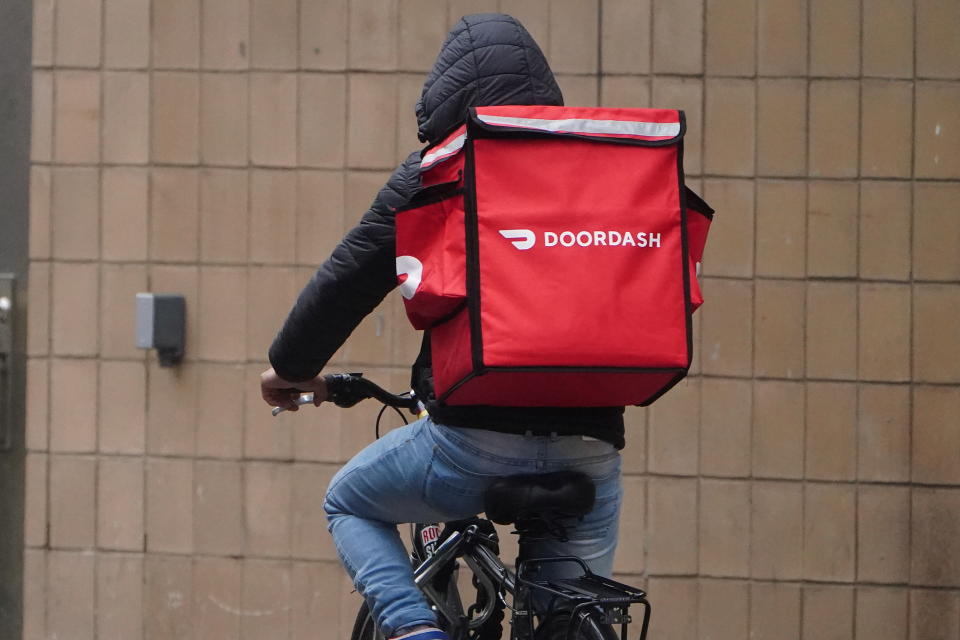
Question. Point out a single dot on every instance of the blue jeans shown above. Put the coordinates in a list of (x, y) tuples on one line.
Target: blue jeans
[(426, 472)]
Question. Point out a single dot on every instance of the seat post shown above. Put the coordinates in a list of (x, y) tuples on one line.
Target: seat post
[(524, 543), (534, 527), (523, 600)]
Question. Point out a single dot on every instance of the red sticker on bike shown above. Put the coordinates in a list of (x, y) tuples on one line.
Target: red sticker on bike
[(429, 536)]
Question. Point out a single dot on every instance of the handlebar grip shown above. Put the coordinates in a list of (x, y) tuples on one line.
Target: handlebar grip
[(347, 389)]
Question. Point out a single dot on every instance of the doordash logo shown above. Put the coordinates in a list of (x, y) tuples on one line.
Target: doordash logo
[(524, 239)]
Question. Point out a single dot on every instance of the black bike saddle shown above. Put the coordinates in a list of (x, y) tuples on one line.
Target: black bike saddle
[(520, 497)]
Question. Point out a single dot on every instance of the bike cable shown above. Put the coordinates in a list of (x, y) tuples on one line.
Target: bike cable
[(380, 415)]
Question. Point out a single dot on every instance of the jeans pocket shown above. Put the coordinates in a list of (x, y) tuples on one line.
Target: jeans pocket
[(596, 525), (452, 489), (444, 469), (604, 471)]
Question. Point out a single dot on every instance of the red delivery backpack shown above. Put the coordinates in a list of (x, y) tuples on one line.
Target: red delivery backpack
[(552, 255)]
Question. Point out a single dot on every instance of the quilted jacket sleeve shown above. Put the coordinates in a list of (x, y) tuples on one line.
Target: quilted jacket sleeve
[(347, 287)]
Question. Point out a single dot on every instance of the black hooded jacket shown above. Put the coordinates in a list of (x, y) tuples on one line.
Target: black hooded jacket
[(487, 59)]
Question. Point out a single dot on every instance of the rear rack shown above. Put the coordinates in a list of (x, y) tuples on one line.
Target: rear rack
[(588, 591), (597, 588)]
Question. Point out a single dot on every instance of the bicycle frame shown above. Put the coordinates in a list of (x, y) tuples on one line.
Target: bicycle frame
[(483, 562), (585, 596)]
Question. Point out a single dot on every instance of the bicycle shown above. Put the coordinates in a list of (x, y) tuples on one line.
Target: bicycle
[(582, 607)]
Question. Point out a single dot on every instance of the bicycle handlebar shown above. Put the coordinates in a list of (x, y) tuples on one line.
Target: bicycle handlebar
[(347, 389)]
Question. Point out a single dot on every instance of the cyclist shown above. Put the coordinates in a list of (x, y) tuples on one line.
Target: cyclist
[(437, 468)]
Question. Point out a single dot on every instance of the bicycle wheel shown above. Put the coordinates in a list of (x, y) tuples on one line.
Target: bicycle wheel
[(588, 628), (364, 627)]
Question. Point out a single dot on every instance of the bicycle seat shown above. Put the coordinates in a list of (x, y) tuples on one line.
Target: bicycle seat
[(519, 497)]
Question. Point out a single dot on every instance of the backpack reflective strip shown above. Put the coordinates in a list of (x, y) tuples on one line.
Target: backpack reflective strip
[(445, 151), (579, 125)]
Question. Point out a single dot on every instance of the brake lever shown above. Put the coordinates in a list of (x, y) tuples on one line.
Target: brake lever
[(306, 398)]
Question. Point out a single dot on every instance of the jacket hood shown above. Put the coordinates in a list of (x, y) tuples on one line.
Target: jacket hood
[(487, 59)]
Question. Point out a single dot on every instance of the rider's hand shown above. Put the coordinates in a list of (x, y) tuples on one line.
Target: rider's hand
[(278, 392)]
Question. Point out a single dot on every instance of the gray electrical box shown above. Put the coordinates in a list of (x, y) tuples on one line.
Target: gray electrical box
[(161, 325)]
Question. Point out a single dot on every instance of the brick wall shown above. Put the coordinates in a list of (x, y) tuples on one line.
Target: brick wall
[(803, 483)]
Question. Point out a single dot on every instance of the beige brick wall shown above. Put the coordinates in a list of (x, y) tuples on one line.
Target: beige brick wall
[(805, 481)]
